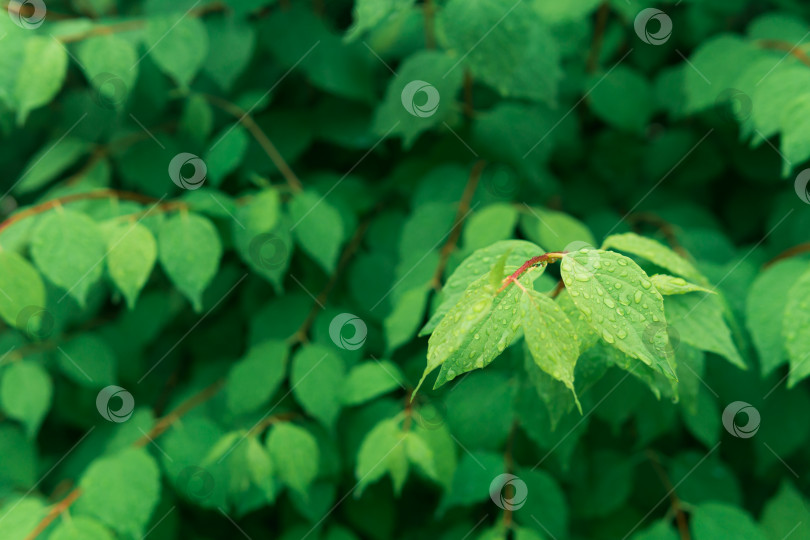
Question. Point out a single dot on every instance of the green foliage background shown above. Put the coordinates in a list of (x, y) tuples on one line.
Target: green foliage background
[(265, 323)]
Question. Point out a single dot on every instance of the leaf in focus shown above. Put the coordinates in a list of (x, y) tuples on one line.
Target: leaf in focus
[(475, 331), (68, 247), (699, 320), (655, 252), (131, 255), (127, 511), (189, 250), (478, 264), (619, 301), (669, 285), (550, 337), (25, 394)]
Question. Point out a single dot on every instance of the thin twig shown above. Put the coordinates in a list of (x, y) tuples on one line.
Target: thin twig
[(461, 213), (261, 137), (786, 46), (97, 194), (56, 510), (788, 253), (680, 516), (598, 36)]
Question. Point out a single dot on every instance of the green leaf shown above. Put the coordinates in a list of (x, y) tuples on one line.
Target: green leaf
[(618, 301), (41, 74), (382, 452), (369, 380), (765, 311), (774, 94), (573, 10), (475, 266), (294, 452), (669, 285), (20, 516), (18, 469), (226, 153), (231, 47), (126, 511), (367, 14), (474, 332), (714, 66), (550, 337), (260, 238), (68, 248), (81, 528), (21, 287), (51, 161), (545, 508), (491, 224), (661, 530), (622, 98), (255, 378), (795, 324), (422, 95), (785, 514), (178, 44), (795, 128), (402, 324), (524, 68), (714, 521), (110, 64), (189, 250), (699, 320), (25, 394), (318, 227), (477, 407), (88, 361), (655, 252), (704, 422), (317, 377), (472, 479), (556, 231), (131, 255)]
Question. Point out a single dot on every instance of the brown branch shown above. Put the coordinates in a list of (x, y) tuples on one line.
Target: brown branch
[(558, 289), (283, 417), (680, 516), (786, 46), (508, 463), (166, 422), (160, 426), (468, 94), (97, 194), (598, 37), (264, 141), (300, 335), (788, 253), (461, 214), (127, 26), (534, 261), (57, 510), (429, 11)]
